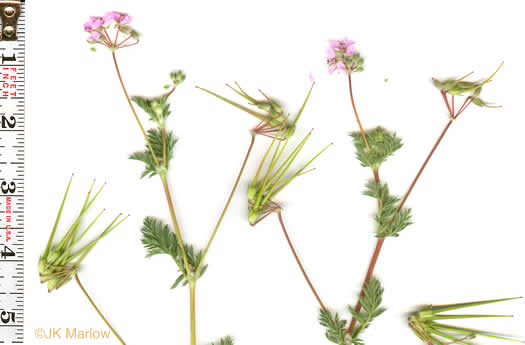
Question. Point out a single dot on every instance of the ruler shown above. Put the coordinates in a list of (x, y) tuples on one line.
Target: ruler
[(12, 123)]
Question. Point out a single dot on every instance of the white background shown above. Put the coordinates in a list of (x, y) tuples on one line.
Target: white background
[(466, 243)]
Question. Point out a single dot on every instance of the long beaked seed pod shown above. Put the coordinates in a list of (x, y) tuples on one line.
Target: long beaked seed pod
[(60, 261)]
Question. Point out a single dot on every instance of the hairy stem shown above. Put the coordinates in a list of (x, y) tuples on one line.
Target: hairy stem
[(165, 163), (174, 221), (369, 274), (98, 310), (163, 177), (133, 109), (355, 111), (192, 314), (279, 215), (380, 241), (235, 185)]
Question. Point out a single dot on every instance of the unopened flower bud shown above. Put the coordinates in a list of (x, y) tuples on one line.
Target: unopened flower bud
[(177, 77)]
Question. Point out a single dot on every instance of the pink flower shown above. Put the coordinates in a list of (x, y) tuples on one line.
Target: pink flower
[(311, 77), (330, 53), (350, 50), (339, 55), (111, 17), (93, 24), (125, 19), (96, 22), (112, 20), (95, 35), (346, 42)]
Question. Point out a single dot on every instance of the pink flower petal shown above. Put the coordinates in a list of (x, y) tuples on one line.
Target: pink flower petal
[(331, 69), (109, 18), (330, 53), (95, 22), (346, 42), (350, 50), (126, 19), (311, 77), (94, 36), (334, 44)]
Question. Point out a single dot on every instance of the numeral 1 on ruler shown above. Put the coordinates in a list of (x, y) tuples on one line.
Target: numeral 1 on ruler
[(12, 140)]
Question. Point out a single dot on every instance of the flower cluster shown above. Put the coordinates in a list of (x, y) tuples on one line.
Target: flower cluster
[(98, 27), (343, 56)]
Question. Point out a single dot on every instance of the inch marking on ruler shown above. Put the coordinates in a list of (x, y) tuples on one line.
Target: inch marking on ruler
[(12, 169)]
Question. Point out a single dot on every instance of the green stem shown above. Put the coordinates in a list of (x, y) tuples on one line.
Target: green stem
[(133, 109), (355, 111), (98, 310), (192, 314), (163, 177), (164, 148), (174, 221), (227, 202)]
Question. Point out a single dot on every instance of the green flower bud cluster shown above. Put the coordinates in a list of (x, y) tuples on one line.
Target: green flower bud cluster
[(382, 143), (177, 77), (424, 323), (355, 63), (61, 261)]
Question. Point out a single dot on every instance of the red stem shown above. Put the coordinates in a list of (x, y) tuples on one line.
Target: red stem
[(380, 241), (355, 111), (299, 261)]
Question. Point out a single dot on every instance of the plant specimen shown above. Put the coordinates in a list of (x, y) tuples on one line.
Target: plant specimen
[(425, 323), (61, 261), (373, 147), (276, 170), (114, 32)]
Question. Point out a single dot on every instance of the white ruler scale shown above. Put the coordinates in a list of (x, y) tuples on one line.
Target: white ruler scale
[(12, 123)]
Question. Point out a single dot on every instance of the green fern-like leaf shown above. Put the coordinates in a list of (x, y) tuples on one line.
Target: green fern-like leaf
[(148, 160), (382, 144), (156, 140), (371, 308), (335, 327), (158, 238), (157, 108), (390, 221), (225, 341)]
